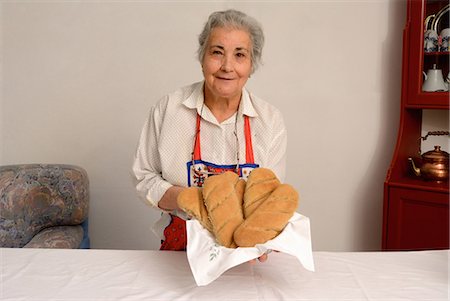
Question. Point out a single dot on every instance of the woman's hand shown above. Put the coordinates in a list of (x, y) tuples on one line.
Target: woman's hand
[(169, 200), (261, 258)]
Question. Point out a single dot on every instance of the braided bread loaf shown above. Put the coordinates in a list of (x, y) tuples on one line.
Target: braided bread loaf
[(269, 219), (220, 206), (190, 200), (222, 195), (260, 184)]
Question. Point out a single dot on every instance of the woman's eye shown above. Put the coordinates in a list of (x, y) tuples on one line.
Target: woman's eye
[(240, 55), (217, 52)]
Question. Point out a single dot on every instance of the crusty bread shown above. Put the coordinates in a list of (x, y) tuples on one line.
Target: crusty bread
[(190, 200), (220, 204), (269, 219), (240, 190), (260, 184), (224, 206)]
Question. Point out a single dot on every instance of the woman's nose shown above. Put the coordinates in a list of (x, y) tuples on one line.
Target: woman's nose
[(227, 64)]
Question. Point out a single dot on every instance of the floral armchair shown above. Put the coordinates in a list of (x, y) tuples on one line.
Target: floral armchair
[(44, 206)]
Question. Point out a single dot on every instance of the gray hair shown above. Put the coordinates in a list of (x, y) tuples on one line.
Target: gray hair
[(235, 19)]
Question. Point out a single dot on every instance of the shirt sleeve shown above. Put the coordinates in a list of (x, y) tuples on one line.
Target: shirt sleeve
[(147, 163), (277, 151)]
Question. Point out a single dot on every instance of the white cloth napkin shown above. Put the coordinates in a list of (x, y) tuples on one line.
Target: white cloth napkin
[(208, 260)]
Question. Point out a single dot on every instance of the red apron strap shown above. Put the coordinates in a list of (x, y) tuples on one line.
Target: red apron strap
[(248, 142), (197, 154)]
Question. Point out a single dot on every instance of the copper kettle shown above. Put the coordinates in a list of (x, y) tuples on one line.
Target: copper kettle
[(435, 163)]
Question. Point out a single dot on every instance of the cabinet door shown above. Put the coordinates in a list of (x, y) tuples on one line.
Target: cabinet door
[(418, 61), (417, 220)]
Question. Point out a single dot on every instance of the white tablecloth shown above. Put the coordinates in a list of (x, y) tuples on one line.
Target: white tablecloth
[(49, 274)]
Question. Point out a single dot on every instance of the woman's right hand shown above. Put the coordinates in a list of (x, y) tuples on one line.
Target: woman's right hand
[(169, 200)]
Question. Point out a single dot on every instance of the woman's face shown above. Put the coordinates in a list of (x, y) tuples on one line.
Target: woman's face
[(227, 62)]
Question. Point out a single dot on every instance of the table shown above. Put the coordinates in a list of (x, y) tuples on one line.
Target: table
[(60, 274)]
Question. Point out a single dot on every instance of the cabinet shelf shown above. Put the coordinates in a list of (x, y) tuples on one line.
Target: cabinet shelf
[(437, 53), (418, 184), (443, 105)]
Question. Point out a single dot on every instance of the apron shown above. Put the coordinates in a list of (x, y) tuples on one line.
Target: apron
[(197, 171)]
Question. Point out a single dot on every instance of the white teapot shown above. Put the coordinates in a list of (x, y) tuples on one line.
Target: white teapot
[(434, 81)]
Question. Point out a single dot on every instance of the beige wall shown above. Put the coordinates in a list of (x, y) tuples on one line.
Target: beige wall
[(79, 78), (435, 120)]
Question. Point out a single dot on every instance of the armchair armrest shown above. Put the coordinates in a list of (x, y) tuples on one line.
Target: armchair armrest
[(61, 237)]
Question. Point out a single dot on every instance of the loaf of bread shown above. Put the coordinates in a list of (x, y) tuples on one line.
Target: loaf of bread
[(190, 200), (260, 184), (240, 190), (222, 195), (238, 212), (269, 219)]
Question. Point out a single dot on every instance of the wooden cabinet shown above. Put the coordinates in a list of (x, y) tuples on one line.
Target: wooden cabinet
[(415, 211)]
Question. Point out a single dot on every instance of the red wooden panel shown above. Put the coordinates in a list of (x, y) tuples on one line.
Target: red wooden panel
[(417, 220)]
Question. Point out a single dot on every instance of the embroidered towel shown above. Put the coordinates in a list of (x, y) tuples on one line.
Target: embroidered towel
[(208, 260)]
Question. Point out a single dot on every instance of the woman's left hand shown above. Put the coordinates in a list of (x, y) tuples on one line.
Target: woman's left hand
[(262, 258)]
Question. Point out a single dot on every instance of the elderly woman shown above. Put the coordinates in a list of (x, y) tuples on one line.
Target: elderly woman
[(202, 129)]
